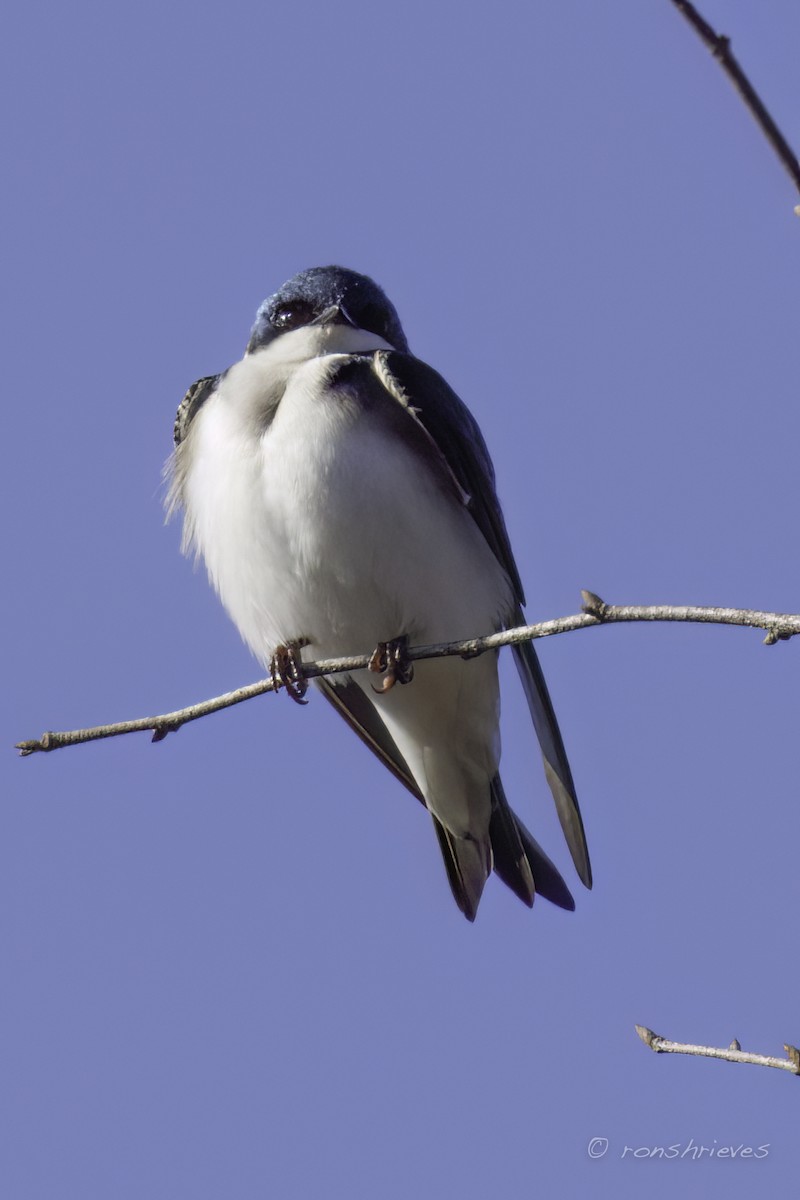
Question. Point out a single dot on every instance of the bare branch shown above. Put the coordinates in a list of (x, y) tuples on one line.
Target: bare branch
[(720, 47), (778, 626), (732, 1053)]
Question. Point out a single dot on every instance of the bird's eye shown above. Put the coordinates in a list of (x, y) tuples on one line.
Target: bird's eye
[(292, 316)]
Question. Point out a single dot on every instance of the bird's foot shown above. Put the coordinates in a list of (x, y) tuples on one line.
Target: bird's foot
[(286, 670), (390, 659)]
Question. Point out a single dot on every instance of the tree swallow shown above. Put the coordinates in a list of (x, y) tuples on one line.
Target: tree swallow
[(343, 498)]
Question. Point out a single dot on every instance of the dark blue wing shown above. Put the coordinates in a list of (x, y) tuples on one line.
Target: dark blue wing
[(432, 403)]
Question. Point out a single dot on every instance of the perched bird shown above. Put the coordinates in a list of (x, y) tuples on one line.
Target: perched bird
[(342, 497)]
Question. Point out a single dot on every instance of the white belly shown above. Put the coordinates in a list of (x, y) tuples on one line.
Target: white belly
[(322, 527)]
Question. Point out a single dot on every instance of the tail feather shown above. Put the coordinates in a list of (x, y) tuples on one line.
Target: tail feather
[(468, 864), (510, 860), (545, 873), (516, 856), (519, 860)]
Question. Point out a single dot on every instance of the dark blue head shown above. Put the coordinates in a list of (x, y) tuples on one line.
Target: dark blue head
[(324, 294)]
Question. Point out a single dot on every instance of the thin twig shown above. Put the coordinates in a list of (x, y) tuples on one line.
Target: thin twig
[(720, 47), (778, 626), (733, 1053)]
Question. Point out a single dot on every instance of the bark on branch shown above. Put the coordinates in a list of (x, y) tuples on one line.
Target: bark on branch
[(732, 1053), (778, 627), (720, 47)]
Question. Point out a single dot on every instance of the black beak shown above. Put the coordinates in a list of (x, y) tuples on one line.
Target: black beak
[(337, 314)]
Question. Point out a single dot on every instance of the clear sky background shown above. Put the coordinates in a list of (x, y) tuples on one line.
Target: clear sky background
[(231, 963)]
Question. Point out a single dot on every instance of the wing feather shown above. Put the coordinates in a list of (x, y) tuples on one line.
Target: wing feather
[(433, 404)]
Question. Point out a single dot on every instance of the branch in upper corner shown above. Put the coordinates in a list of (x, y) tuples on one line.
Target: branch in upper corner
[(733, 1053), (720, 47), (778, 626)]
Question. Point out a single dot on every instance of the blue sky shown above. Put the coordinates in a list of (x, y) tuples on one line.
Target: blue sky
[(232, 966)]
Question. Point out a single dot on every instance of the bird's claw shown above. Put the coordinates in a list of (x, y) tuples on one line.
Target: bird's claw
[(286, 670), (390, 659)]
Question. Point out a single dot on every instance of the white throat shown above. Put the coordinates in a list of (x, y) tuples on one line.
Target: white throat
[(314, 341)]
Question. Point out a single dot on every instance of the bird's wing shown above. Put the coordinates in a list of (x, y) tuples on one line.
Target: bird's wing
[(433, 405), (434, 408), (178, 463), (556, 763), (189, 406)]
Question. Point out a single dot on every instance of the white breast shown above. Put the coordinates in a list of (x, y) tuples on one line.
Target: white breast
[(321, 526)]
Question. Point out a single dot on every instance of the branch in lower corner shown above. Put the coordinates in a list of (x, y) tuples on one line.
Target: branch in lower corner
[(732, 1053)]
